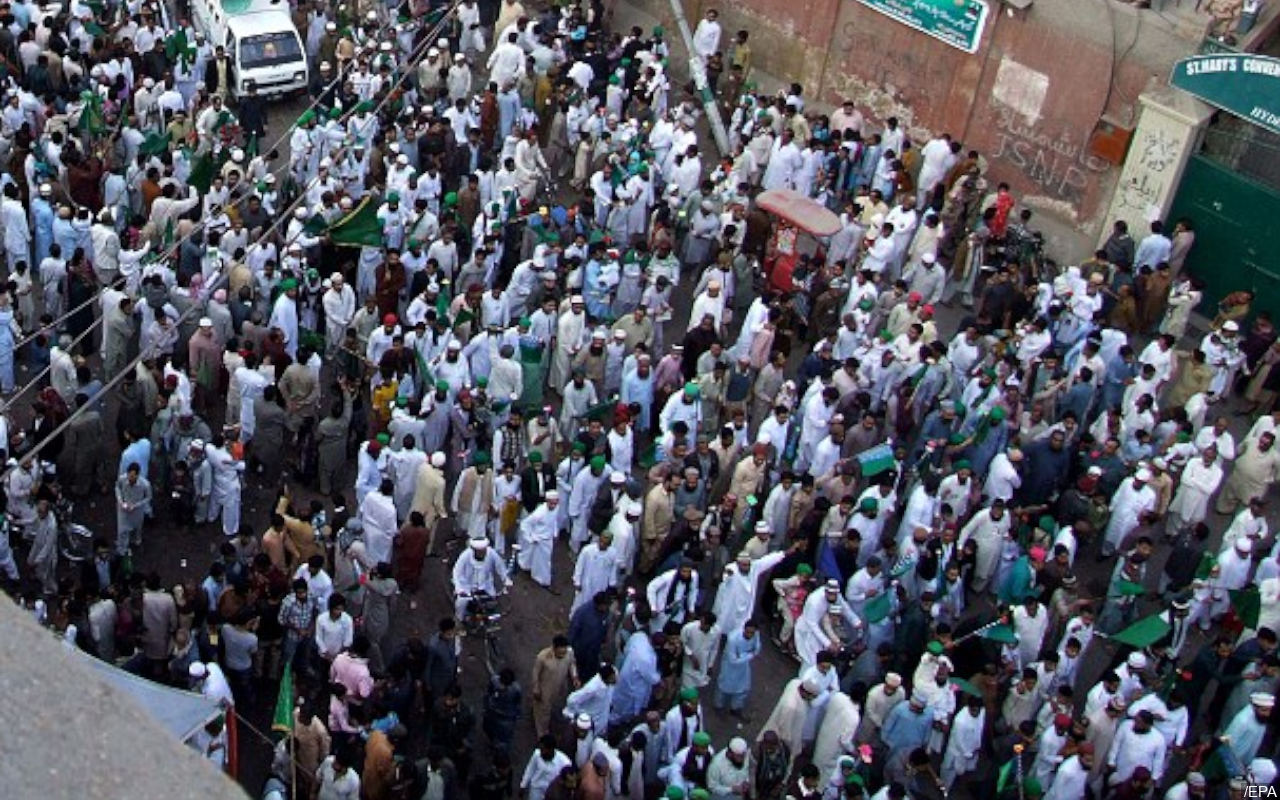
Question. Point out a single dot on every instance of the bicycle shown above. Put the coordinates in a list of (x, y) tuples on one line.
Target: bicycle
[(483, 621)]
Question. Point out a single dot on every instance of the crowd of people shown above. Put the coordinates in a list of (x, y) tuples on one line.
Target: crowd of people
[(914, 456)]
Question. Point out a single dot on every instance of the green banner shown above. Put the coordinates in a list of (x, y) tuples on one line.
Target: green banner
[(958, 23), (1245, 85)]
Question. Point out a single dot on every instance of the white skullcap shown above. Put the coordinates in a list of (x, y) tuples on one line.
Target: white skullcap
[(437, 460)]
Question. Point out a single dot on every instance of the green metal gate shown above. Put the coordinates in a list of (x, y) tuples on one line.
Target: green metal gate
[(1237, 226)]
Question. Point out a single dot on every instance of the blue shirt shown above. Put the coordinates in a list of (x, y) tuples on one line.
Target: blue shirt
[(138, 452), (906, 730)]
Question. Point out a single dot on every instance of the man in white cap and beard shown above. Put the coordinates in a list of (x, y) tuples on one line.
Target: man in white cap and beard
[(789, 717), (729, 775), (1133, 499), (1193, 787), (881, 699), (478, 570), (429, 495), (537, 535), (1245, 731), (1234, 565), (339, 309)]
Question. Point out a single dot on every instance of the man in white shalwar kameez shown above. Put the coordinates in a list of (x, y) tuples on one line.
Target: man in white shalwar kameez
[(544, 767), (378, 518), (810, 638), (1072, 777), (479, 570), (701, 640), (836, 735), (1133, 499), (788, 718), (988, 528), (594, 699), (736, 598), (284, 316), (965, 744), (595, 570), (571, 336), (537, 535)]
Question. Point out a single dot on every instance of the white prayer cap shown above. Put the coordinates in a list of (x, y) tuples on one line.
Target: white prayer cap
[(402, 159), (479, 543), (443, 42), (599, 333), (833, 585), (713, 285), (271, 179), (1262, 699), (385, 47), (454, 344), (918, 698), (197, 669), (1137, 661), (928, 258), (197, 444), (326, 162), (619, 334), (372, 16), (148, 83), (330, 26), (205, 322), (46, 189), (617, 477), (1195, 779), (576, 300), (762, 527), (438, 460), (552, 495), (1262, 772), (738, 746), (1231, 325), (432, 53), (1095, 471), (1143, 474), (892, 679)]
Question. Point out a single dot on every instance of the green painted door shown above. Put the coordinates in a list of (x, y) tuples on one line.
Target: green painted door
[(1237, 223)]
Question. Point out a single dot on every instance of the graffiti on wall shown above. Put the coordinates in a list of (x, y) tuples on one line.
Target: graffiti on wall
[(1059, 163), (1145, 186)]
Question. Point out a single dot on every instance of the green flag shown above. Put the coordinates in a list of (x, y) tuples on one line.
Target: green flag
[(965, 686), (1001, 633), (1006, 775), (602, 412), (1247, 603), (202, 171), (876, 460), (1143, 633), (154, 144), (877, 608), (315, 226), (92, 118), (1205, 566), (1130, 589), (283, 719), (360, 228)]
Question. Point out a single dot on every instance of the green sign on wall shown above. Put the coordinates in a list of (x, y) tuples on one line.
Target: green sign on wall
[(959, 23), (1245, 85)]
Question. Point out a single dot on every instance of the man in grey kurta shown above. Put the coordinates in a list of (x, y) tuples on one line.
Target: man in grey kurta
[(133, 501), (43, 556)]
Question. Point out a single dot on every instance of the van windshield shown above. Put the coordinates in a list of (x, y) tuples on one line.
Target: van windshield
[(269, 50)]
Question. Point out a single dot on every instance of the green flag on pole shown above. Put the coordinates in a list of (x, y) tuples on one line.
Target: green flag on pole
[(1006, 775), (1002, 633), (283, 719), (1143, 633)]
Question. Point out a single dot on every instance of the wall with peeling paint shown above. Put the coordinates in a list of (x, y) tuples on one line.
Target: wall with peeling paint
[(1028, 100)]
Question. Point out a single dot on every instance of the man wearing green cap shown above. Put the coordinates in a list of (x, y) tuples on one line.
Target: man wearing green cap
[(472, 501), (683, 406), (688, 768), (582, 495), (683, 721)]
